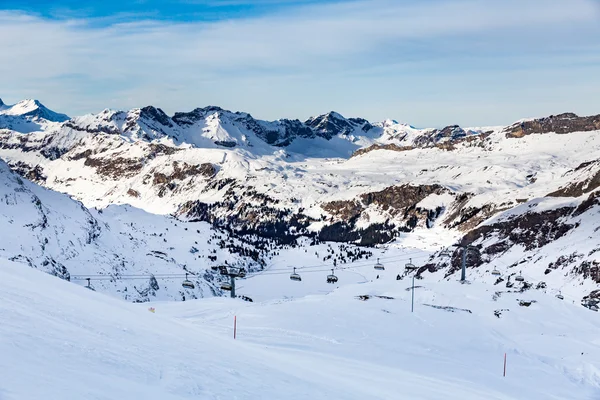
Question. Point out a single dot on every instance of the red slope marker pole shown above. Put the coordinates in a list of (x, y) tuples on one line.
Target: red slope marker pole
[(234, 326), (504, 364)]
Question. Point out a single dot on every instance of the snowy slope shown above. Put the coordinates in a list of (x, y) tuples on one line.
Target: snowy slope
[(31, 109), (74, 343), (127, 252)]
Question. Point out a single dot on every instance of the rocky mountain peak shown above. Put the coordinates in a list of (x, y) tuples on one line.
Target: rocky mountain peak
[(156, 114), (190, 118), (330, 125)]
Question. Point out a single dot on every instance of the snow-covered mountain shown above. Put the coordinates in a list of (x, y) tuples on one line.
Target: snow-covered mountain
[(31, 109), (128, 252), (526, 195)]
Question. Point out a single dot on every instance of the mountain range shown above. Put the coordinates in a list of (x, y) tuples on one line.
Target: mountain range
[(525, 195)]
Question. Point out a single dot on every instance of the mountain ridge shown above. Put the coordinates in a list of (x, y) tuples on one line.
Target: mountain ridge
[(339, 180)]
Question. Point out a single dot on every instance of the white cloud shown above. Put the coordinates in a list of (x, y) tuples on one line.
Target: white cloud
[(83, 66)]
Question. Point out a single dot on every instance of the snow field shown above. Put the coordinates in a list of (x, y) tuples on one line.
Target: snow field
[(75, 343)]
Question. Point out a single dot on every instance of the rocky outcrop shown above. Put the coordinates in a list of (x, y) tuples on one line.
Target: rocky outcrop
[(115, 167), (562, 124), (591, 171), (391, 147), (332, 124), (531, 230)]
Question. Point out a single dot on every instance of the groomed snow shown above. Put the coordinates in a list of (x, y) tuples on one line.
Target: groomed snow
[(62, 341)]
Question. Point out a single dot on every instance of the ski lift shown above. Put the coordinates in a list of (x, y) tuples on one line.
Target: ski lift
[(226, 286), (379, 266), (519, 278), (242, 273), (410, 266), (295, 277), (445, 253), (495, 272), (187, 283), (560, 296), (332, 278)]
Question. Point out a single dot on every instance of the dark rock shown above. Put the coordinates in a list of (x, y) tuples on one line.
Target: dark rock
[(561, 124)]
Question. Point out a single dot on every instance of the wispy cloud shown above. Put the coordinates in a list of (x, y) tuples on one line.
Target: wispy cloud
[(267, 64)]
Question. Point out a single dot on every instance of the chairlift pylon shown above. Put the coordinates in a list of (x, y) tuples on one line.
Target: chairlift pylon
[(187, 283), (379, 266), (332, 278), (295, 277), (410, 266)]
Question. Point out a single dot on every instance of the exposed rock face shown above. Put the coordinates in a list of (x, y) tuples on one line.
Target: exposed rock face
[(344, 210), (156, 114), (531, 230), (562, 123), (592, 200), (590, 171), (333, 124), (116, 167), (391, 147), (400, 199), (452, 132), (398, 203)]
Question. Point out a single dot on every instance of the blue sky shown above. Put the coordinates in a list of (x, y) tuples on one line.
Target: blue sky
[(175, 10), (424, 62)]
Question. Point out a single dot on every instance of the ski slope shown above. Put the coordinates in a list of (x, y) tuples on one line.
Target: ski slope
[(61, 341)]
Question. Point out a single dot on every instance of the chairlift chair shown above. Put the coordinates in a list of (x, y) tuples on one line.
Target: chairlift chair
[(332, 278), (379, 266), (519, 278), (445, 253), (226, 286), (410, 266), (187, 283), (496, 272), (295, 277), (560, 296)]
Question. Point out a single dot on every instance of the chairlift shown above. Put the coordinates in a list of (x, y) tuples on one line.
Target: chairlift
[(187, 283), (379, 266), (519, 278), (226, 286), (332, 278), (560, 296), (410, 266), (242, 273), (445, 253), (295, 277), (496, 272)]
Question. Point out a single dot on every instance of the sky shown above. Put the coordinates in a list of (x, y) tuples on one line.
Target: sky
[(429, 63)]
